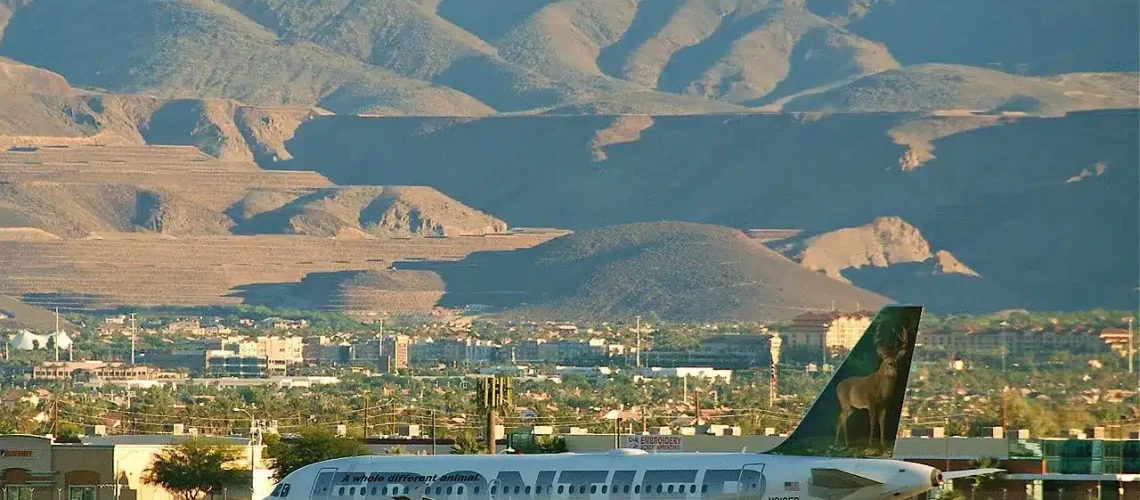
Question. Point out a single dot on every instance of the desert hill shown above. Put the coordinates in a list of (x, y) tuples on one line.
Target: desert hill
[(678, 271), (474, 58)]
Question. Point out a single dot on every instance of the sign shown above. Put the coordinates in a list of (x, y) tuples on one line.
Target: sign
[(655, 443), (15, 453)]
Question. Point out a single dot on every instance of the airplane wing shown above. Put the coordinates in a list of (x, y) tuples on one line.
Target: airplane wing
[(957, 474), (840, 479)]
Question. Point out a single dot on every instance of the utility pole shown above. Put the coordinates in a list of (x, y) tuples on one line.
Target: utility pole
[(638, 353), (1130, 350), (56, 335), (134, 332), (433, 432), (366, 426)]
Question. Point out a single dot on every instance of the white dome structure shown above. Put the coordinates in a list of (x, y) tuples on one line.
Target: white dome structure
[(28, 341), (62, 339)]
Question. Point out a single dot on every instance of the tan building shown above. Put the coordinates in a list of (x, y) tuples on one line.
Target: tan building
[(827, 330), (110, 468), (280, 352), (94, 369), (395, 353)]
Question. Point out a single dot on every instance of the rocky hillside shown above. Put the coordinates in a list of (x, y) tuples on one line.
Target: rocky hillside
[(368, 212), (891, 257), (473, 58)]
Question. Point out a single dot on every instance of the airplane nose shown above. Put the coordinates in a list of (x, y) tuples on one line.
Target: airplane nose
[(935, 478)]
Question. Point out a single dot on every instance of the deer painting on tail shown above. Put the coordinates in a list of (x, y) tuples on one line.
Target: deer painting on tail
[(872, 392)]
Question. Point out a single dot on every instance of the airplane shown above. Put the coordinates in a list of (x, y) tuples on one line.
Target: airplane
[(839, 451)]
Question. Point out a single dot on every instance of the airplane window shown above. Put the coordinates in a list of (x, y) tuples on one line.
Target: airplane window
[(637, 489), (692, 488), (340, 491), (582, 489), (449, 490), (476, 490), (517, 489), (625, 489), (560, 488), (704, 488), (604, 488), (538, 489), (659, 488), (352, 491), (438, 490), (384, 490), (459, 489), (526, 490), (593, 489), (670, 488), (493, 488)]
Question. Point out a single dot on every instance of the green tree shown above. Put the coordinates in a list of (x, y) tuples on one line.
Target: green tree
[(196, 467), (314, 445), (984, 482), (466, 444)]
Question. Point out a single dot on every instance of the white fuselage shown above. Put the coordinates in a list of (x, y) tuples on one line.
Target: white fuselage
[(619, 475)]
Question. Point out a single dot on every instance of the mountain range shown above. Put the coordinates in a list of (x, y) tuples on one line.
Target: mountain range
[(697, 159)]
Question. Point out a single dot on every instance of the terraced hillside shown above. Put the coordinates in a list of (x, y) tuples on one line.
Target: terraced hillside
[(152, 270)]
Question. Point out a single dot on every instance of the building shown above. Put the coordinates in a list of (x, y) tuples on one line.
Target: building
[(733, 351), (395, 353), (828, 330), (232, 364), (1035, 340), (100, 468), (71, 370), (468, 350), (280, 352), (689, 371)]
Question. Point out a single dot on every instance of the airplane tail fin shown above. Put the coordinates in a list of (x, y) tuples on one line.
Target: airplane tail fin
[(857, 413)]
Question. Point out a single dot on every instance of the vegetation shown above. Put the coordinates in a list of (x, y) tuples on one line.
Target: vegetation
[(196, 467), (314, 445), (466, 444)]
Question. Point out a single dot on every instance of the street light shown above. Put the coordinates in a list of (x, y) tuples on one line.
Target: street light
[(254, 433)]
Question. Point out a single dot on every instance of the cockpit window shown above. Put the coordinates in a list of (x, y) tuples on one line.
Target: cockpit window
[(284, 492)]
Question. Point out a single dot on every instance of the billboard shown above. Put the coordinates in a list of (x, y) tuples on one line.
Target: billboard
[(655, 443)]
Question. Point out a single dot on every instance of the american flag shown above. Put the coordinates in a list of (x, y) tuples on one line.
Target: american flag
[(792, 486)]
